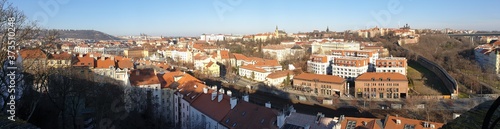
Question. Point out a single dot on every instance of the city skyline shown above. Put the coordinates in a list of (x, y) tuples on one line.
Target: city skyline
[(188, 18)]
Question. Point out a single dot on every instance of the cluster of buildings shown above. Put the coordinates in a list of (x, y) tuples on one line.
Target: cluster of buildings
[(405, 33), (347, 62), (190, 103)]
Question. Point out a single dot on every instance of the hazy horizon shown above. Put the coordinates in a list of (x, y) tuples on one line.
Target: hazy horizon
[(192, 18)]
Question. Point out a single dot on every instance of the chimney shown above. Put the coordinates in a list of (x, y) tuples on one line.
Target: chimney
[(112, 57), (280, 121), (137, 73), (205, 90), (398, 121), (69, 52), (58, 52), (103, 58), (221, 94), (229, 93), (218, 53), (80, 55), (245, 97), (268, 104), (233, 102), (214, 94), (91, 56)]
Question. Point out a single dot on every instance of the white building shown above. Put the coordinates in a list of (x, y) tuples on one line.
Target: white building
[(391, 64), (181, 55), (143, 82), (277, 78), (349, 67), (254, 73), (327, 47), (318, 64), (82, 48), (212, 37), (200, 61), (209, 108), (371, 54)]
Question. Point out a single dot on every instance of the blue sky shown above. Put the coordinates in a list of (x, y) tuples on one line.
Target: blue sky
[(194, 17)]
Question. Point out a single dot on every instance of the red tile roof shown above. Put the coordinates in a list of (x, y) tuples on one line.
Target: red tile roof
[(212, 108), (224, 54), (240, 56), (33, 53), (191, 92), (390, 123), (125, 63), (84, 61), (209, 64), (253, 68), (268, 63), (371, 123), (279, 74), (143, 77), (104, 63), (60, 56), (247, 115), (368, 76), (321, 78)]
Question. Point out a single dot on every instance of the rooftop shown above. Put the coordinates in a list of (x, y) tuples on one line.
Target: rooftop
[(279, 74), (370, 76), (140, 77), (319, 77), (246, 115)]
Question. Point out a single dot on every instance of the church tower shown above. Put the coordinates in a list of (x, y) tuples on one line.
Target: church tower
[(327, 29), (276, 32)]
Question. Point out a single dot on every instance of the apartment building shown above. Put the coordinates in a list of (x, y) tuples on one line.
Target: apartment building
[(277, 78), (318, 64), (350, 67), (381, 85), (391, 64), (253, 72), (325, 85), (370, 54), (327, 47), (59, 59)]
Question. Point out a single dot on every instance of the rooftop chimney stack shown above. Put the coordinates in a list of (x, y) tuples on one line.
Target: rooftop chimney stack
[(80, 55), (221, 94), (205, 90), (214, 94), (268, 104), (245, 97), (307, 127), (233, 102), (280, 122), (229, 93)]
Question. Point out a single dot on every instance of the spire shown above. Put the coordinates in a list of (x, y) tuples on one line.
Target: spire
[(327, 29), (276, 27)]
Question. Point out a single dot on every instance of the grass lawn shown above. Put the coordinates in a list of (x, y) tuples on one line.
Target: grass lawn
[(424, 81)]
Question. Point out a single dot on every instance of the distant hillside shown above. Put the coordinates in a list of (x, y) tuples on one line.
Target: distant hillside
[(83, 34)]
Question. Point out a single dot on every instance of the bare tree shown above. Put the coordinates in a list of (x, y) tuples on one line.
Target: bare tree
[(12, 21)]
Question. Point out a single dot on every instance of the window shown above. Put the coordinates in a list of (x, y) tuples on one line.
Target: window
[(407, 126), (351, 124)]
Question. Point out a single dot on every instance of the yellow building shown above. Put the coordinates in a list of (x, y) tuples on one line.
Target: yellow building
[(212, 69)]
